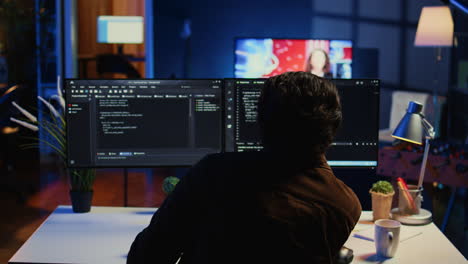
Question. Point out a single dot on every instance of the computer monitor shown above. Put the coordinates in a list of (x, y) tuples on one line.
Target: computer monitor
[(142, 123), (120, 29), (265, 57), (355, 145)]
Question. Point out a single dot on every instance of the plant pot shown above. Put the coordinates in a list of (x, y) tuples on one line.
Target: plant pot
[(381, 205), (81, 201)]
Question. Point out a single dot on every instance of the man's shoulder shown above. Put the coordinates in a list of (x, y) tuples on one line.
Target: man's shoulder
[(228, 159)]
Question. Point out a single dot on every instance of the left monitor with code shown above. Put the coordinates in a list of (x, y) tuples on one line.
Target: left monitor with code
[(142, 123)]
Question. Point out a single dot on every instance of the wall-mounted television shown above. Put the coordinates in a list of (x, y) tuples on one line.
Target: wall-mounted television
[(265, 57)]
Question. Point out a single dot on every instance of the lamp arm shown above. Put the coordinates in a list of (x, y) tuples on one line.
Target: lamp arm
[(428, 128), (424, 162), (430, 134)]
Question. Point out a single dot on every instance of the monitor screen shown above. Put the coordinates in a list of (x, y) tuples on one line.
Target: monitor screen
[(142, 123), (258, 58), (120, 29), (355, 145)]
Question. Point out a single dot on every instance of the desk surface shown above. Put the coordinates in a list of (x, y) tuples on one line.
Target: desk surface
[(424, 244), (105, 234), (102, 236)]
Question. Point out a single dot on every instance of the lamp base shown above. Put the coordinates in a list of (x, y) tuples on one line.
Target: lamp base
[(424, 217)]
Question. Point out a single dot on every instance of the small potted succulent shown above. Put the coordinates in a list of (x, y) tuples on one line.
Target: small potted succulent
[(382, 195), (169, 184)]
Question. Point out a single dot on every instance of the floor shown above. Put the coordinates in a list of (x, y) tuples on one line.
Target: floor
[(25, 212)]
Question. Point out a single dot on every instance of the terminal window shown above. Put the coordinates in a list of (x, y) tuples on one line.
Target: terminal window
[(125, 123), (355, 145)]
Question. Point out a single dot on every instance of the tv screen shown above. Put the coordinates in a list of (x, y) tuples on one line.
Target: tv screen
[(120, 29), (259, 58)]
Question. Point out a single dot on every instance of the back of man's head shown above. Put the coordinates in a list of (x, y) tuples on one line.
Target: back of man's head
[(299, 113)]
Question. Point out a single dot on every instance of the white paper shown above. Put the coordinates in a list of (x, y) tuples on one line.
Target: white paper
[(368, 234)]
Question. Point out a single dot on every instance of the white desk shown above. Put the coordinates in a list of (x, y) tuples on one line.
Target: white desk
[(431, 246), (102, 236), (105, 234)]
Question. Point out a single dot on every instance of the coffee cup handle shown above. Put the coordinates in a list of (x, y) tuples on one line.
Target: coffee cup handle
[(390, 243)]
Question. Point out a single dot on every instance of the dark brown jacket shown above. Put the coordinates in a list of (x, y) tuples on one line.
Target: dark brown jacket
[(251, 208)]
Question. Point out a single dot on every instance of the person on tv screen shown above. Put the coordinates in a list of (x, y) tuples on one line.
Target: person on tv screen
[(279, 205), (318, 63)]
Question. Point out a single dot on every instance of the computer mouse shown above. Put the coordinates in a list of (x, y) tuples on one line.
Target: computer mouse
[(345, 255)]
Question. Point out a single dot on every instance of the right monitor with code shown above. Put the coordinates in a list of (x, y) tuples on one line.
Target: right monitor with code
[(355, 145)]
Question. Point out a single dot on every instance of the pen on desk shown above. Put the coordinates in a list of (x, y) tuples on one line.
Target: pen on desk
[(406, 194)]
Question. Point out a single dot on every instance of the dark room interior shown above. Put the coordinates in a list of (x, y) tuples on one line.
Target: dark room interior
[(107, 106)]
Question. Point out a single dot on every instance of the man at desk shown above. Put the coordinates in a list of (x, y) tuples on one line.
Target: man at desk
[(281, 205)]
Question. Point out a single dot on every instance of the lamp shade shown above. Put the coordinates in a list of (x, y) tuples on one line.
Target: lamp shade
[(410, 127), (435, 27)]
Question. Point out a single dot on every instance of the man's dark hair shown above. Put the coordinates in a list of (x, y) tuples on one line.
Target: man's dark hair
[(299, 112)]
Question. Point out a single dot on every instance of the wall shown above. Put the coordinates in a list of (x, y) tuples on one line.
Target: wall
[(460, 51), (88, 11), (214, 27), (458, 107), (131, 8), (388, 26)]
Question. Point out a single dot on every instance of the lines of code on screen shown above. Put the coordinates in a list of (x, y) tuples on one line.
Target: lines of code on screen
[(356, 143), (142, 122)]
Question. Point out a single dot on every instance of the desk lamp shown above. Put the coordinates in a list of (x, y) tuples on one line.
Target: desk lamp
[(411, 128)]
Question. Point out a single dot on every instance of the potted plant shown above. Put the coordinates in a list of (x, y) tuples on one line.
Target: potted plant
[(382, 195), (81, 189), (169, 184), (80, 180)]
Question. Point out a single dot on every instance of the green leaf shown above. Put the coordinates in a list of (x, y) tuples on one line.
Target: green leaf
[(384, 187), (82, 179)]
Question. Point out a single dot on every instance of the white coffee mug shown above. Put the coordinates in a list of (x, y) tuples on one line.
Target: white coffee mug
[(387, 237)]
